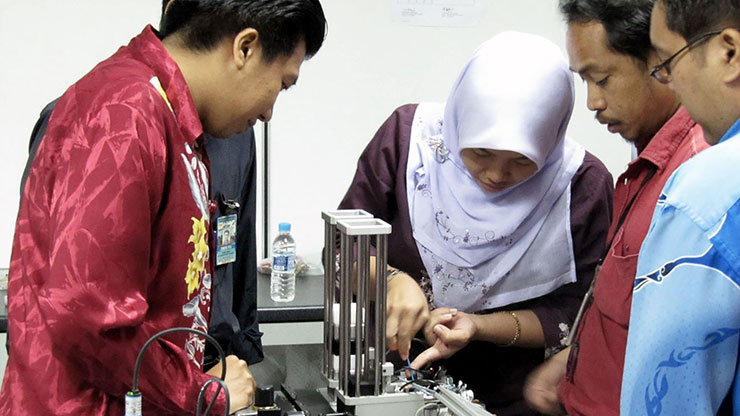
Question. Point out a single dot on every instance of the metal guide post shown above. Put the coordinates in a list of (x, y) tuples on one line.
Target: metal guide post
[(345, 300), (330, 246), (366, 367), (363, 258), (381, 264)]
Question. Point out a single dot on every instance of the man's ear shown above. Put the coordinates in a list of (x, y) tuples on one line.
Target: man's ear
[(167, 8), (246, 46), (729, 41)]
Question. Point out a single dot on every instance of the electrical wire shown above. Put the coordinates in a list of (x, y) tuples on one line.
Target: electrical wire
[(202, 392), (419, 385), (221, 355), (419, 372)]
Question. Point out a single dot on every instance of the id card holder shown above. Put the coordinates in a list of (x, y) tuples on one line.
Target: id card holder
[(226, 235)]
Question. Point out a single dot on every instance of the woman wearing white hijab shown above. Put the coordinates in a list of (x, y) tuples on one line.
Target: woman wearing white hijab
[(498, 219)]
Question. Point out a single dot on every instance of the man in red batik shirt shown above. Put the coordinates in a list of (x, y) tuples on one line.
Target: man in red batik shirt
[(112, 241)]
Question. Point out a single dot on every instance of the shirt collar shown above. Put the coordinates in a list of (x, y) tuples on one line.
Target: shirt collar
[(148, 48), (732, 132), (663, 145)]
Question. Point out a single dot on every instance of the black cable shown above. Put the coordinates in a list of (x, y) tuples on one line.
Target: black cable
[(222, 357), (406, 384), (413, 370), (201, 394), (419, 383)]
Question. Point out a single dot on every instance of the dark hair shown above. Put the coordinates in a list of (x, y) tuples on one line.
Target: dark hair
[(282, 24), (690, 18), (627, 22)]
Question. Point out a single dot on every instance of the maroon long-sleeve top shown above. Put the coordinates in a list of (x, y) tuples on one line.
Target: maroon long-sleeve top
[(495, 374)]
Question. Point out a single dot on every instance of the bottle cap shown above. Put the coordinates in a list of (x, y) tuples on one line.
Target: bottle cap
[(284, 226)]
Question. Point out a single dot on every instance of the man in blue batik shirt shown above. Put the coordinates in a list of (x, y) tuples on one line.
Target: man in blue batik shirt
[(684, 331)]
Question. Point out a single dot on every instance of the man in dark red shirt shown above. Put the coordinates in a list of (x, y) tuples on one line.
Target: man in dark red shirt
[(609, 47), (113, 237)]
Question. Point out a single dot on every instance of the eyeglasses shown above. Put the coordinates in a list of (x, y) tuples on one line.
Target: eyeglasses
[(662, 72)]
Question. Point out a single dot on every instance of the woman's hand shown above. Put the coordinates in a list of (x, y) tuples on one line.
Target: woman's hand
[(452, 332), (439, 316), (407, 313)]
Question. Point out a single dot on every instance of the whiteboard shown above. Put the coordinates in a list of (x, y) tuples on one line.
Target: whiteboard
[(368, 66)]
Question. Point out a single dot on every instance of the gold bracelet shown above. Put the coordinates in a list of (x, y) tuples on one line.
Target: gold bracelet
[(518, 331)]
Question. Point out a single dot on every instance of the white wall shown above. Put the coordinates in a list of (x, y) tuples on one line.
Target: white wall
[(45, 46), (367, 67)]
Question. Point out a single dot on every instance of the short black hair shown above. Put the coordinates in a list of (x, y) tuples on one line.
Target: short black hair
[(627, 22), (690, 18), (282, 24)]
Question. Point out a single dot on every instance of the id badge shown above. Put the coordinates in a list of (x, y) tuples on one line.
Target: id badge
[(226, 239)]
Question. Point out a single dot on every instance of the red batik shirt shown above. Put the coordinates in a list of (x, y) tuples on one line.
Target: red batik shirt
[(594, 378), (111, 246)]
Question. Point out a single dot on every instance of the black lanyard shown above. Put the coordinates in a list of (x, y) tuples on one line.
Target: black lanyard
[(588, 298)]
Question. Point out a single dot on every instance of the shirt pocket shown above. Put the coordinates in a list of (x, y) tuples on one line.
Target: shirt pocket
[(613, 291)]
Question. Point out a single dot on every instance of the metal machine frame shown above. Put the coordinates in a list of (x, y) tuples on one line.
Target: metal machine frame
[(367, 389)]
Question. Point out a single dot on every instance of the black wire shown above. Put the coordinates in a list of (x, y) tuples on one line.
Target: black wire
[(429, 383), (412, 369), (199, 404), (221, 355), (408, 383)]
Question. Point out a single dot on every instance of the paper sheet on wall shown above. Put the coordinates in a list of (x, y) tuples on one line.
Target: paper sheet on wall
[(451, 13)]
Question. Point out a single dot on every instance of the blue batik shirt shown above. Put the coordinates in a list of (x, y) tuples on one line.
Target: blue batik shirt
[(682, 347)]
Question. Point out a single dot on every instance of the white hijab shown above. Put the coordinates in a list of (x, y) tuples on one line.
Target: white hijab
[(516, 94)]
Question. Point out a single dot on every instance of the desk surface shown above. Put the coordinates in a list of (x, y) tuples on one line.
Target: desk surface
[(308, 304)]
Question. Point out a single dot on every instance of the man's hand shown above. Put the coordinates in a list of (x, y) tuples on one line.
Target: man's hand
[(541, 388), (456, 332), (239, 381), (407, 313)]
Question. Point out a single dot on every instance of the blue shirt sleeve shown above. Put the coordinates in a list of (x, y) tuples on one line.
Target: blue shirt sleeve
[(682, 346)]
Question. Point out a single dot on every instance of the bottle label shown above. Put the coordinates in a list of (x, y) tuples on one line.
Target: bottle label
[(284, 263)]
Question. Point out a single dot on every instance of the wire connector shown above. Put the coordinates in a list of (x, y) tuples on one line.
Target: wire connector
[(133, 404)]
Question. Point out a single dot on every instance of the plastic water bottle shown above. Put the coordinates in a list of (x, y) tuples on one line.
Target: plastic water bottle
[(282, 280)]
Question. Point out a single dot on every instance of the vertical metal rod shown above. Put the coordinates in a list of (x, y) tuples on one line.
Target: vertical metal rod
[(367, 336), (345, 300), (266, 246), (363, 258), (381, 264), (330, 299), (329, 248)]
